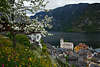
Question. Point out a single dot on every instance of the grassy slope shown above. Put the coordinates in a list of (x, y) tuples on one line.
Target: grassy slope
[(23, 55)]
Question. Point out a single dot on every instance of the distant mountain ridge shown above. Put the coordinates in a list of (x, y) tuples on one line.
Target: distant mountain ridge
[(66, 17)]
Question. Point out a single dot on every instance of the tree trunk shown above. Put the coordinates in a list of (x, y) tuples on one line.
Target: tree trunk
[(14, 39)]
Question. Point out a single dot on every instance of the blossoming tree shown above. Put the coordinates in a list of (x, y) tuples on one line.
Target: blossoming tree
[(14, 19)]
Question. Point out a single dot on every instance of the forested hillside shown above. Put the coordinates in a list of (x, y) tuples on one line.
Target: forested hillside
[(81, 17), (89, 21)]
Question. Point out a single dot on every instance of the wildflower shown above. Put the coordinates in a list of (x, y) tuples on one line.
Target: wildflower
[(8, 59), (30, 59)]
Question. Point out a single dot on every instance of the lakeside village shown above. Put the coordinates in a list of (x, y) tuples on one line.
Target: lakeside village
[(80, 55)]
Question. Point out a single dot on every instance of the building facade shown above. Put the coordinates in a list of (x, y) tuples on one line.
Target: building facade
[(67, 45)]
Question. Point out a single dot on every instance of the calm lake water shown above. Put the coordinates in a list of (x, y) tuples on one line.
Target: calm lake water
[(91, 39)]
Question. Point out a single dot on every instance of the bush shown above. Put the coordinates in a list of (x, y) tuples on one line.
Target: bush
[(5, 41), (8, 34), (22, 39), (44, 48)]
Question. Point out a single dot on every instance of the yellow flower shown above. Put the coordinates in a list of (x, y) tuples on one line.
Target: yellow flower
[(55, 65), (8, 59), (30, 59)]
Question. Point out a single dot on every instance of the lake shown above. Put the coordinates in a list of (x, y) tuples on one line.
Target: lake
[(91, 39)]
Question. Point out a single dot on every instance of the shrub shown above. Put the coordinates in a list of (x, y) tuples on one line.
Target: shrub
[(9, 35), (44, 48), (22, 39), (5, 41)]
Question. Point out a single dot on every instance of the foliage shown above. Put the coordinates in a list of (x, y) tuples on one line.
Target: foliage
[(22, 39), (23, 56), (4, 5), (73, 65), (66, 61), (5, 41), (89, 20), (17, 19), (44, 49), (9, 35)]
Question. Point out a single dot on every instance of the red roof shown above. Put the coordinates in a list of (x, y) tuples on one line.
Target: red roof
[(82, 45)]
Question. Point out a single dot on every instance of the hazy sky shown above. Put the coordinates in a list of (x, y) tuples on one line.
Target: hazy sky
[(58, 3)]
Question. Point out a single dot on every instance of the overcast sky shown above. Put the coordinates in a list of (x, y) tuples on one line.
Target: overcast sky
[(58, 3)]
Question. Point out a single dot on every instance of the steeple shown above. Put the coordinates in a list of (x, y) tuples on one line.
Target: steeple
[(61, 42)]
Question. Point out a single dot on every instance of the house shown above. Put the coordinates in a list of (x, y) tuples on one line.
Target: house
[(80, 47), (67, 45)]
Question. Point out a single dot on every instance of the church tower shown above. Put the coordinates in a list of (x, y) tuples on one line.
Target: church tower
[(61, 42)]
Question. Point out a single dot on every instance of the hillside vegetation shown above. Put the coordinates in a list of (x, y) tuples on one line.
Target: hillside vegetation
[(89, 21), (23, 55)]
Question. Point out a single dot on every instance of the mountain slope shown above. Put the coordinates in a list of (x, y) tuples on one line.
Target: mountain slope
[(69, 17), (90, 20)]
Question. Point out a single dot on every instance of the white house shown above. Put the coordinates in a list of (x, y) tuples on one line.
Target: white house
[(67, 45)]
